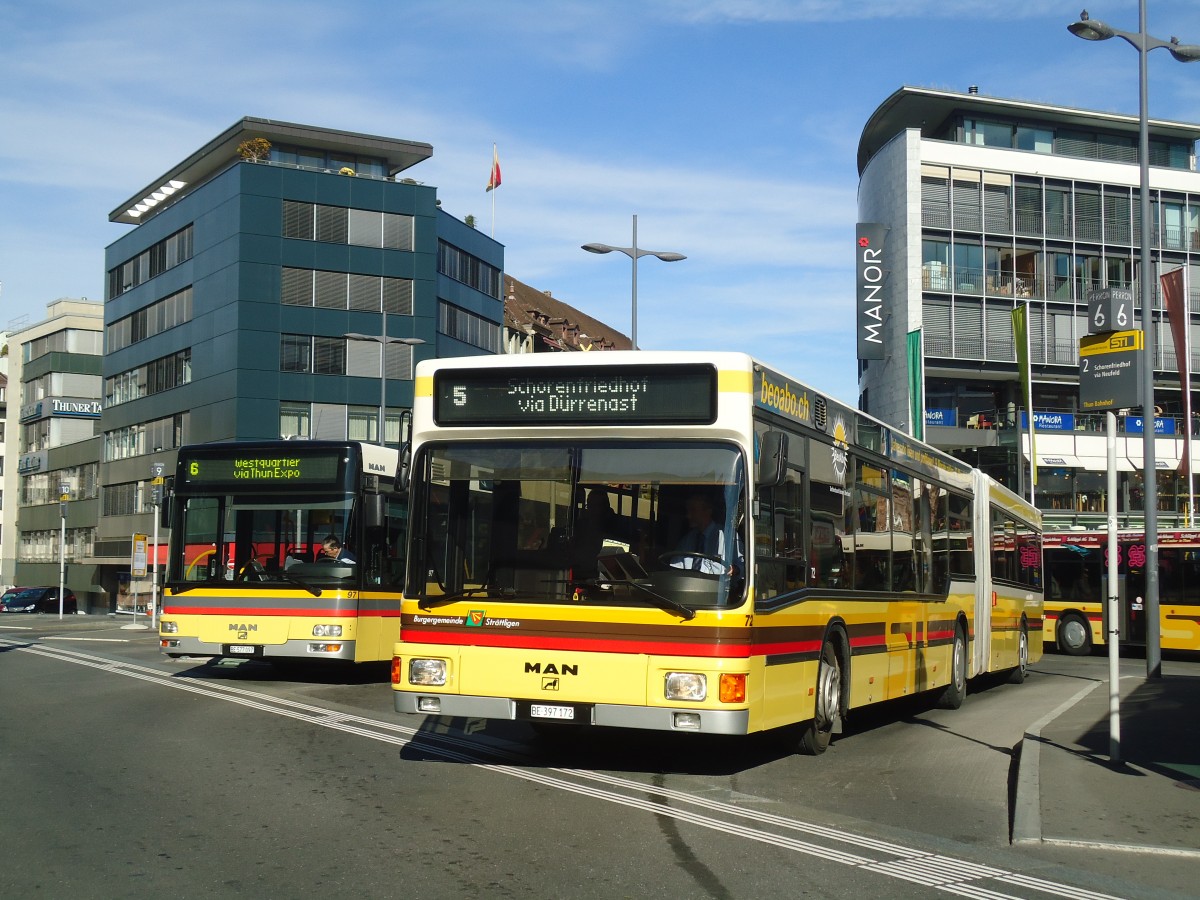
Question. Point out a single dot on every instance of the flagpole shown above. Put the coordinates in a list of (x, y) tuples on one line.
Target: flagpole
[(1029, 406), (1185, 369), (493, 183)]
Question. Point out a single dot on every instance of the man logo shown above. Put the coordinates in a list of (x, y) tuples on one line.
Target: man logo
[(549, 684)]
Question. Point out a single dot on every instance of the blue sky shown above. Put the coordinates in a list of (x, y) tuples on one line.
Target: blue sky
[(730, 127)]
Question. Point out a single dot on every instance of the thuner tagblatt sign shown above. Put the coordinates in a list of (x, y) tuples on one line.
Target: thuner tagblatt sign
[(869, 270), (1110, 370)]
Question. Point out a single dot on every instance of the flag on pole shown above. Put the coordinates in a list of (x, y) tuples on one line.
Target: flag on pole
[(1174, 290), (494, 179), (1020, 322)]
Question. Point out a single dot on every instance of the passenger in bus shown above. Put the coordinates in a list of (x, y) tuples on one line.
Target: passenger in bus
[(532, 534), (332, 551), (595, 523), (704, 536)]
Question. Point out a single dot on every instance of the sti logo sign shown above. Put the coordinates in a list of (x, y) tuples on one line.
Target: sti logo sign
[(870, 274)]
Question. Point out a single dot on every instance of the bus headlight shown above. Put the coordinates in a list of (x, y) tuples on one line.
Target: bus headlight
[(686, 686), (168, 627), (430, 672), (327, 631)]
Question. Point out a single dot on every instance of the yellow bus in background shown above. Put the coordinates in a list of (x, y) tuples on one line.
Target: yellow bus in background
[(1077, 586), (694, 542), (249, 573)]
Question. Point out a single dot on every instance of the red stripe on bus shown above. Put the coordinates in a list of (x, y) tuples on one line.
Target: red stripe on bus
[(597, 645), (724, 650)]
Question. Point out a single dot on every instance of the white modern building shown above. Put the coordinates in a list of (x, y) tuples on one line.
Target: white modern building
[(54, 390), (990, 204)]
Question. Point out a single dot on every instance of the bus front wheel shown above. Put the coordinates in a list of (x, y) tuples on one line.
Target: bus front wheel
[(816, 735), (1074, 635)]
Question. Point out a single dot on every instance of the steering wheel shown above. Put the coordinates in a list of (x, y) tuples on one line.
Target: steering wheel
[(671, 559)]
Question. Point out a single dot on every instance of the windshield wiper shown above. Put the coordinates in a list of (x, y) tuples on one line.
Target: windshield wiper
[(316, 592), (430, 602), (661, 601)]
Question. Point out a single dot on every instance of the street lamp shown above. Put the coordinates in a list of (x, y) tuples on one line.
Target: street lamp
[(64, 494), (634, 254), (1093, 30), (382, 340)]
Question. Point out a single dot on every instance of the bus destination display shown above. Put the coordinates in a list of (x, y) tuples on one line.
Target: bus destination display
[(576, 395), (263, 468)]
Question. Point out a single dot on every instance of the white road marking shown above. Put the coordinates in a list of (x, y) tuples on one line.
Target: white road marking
[(956, 876)]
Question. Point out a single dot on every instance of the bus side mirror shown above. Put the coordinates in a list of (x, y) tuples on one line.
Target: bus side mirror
[(404, 468), (374, 510), (772, 459)]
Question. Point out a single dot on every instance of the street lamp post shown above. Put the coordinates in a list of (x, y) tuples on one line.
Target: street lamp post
[(1094, 30), (383, 340), (64, 494), (634, 254), (156, 489)]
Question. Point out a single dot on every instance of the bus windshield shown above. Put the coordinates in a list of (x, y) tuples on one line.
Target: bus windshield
[(645, 524), (257, 540)]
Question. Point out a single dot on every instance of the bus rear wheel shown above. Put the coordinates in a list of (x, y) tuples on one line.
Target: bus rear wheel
[(1074, 635), (955, 692), (1017, 675), (816, 735)]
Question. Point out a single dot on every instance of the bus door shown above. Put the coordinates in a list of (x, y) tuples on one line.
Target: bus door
[(1133, 604), (1123, 610)]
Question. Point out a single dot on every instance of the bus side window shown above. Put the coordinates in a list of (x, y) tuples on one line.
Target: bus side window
[(779, 553)]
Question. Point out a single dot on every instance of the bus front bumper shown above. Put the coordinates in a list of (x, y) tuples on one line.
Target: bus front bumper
[(312, 648), (608, 715)]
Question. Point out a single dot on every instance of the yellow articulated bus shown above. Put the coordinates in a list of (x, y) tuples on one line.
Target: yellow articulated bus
[(1077, 587), (284, 550), (693, 542)]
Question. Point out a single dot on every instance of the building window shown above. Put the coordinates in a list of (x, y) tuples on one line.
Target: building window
[(329, 355), (470, 270), (166, 254), (69, 340), (124, 499), (339, 225), (342, 290), (147, 437), (42, 546), (295, 420), (152, 378), (1034, 139), (295, 353), (150, 320), (315, 158), (468, 327), (314, 354), (41, 488), (362, 424)]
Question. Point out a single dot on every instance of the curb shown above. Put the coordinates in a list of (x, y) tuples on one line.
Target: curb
[(1027, 807)]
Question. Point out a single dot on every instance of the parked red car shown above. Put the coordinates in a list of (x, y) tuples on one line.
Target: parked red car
[(36, 599)]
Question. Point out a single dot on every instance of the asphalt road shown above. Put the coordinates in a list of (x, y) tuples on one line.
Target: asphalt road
[(123, 774)]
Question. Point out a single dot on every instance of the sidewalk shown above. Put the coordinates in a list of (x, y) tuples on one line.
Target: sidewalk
[(1070, 793)]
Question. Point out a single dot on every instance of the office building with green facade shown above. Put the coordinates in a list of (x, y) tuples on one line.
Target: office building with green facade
[(229, 301)]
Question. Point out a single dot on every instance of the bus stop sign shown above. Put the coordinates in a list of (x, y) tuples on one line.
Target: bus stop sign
[(1110, 367)]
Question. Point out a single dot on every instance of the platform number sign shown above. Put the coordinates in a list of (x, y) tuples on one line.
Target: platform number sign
[(1110, 309)]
